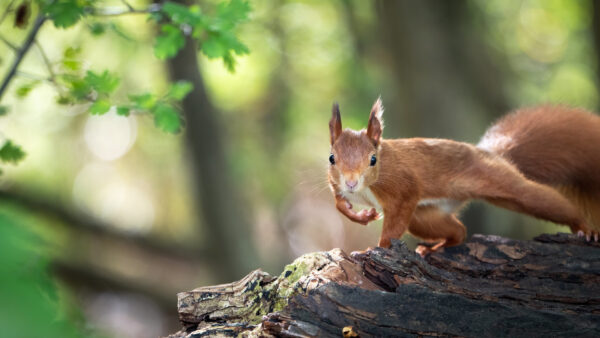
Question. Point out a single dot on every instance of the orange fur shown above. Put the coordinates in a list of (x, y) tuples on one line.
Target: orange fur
[(521, 163), (557, 146)]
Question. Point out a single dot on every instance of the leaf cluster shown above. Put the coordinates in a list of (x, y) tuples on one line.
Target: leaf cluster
[(11, 153), (65, 13), (163, 108), (79, 87), (214, 33)]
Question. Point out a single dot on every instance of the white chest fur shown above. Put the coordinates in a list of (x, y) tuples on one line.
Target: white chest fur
[(447, 205), (364, 197)]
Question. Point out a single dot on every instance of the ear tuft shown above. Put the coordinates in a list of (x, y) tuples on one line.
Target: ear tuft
[(335, 124), (377, 110), (375, 127)]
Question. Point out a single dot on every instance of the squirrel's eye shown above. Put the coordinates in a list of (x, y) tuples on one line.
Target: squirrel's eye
[(373, 160), (331, 159)]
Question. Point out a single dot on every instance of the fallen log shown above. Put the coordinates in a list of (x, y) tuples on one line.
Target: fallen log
[(490, 286)]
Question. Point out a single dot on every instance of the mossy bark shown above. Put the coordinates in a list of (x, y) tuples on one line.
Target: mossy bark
[(489, 286)]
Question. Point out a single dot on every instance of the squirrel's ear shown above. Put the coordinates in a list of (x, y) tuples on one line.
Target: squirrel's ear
[(335, 124), (375, 127)]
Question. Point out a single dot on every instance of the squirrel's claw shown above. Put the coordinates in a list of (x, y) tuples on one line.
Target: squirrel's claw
[(423, 250), (589, 235)]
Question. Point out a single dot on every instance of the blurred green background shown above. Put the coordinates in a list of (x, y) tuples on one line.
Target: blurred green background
[(108, 217)]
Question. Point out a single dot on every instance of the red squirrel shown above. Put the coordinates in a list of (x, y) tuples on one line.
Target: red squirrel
[(542, 161)]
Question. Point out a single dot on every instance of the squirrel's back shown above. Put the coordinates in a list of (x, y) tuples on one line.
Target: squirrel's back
[(554, 145)]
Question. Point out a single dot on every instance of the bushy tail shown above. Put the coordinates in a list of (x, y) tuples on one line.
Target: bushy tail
[(557, 146)]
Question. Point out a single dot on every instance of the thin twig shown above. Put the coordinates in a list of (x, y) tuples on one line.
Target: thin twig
[(8, 43), (33, 76), (112, 11), (39, 21), (46, 59), (8, 10), (128, 5), (48, 64)]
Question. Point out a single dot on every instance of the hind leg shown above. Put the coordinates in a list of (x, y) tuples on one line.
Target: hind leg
[(434, 225), (587, 201)]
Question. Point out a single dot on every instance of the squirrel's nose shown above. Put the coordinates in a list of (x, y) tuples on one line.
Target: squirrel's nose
[(351, 183)]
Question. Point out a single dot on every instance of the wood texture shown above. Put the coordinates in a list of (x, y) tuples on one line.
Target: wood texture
[(490, 286)]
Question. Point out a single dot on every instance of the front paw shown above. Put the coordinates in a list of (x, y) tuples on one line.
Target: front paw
[(365, 216)]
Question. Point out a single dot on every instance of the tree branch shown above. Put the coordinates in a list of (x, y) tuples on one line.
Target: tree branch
[(33, 76), (128, 5), (8, 43), (39, 21), (7, 11), (46, 59), (117, 11), (48, 64)]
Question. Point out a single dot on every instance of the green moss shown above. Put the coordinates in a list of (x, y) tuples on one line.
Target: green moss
[(273, 297)]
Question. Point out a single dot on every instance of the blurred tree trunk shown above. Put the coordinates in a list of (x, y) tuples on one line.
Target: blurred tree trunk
[(450, 82), (443, 68), (227, 229)]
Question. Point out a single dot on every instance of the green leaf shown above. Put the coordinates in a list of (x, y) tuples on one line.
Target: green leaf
[(221, 45), (71, 64), (4, 110), (63, 100), (213, 47), (179, 90), (71, 52), (97, 28), (156, 16), (123, 110), (169, 42), (64, 13), (167, 118), (25, 89), (100, 107), (181, 14), (232, 13), (104, 83), (229, 62), (11, 153), (144, 101), (79, 88)]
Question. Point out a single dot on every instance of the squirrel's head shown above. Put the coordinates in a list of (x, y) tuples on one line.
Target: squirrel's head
[(353, 162)]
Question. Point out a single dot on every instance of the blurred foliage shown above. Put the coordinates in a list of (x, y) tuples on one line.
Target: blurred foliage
[(11, 153), (549, 48), (214, 33), (31, 306)]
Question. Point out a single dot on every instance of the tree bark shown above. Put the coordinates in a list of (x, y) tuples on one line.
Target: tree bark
[(226, 226), (489, 286)]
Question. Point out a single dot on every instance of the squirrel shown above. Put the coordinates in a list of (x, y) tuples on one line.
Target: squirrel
[(542, 161)]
